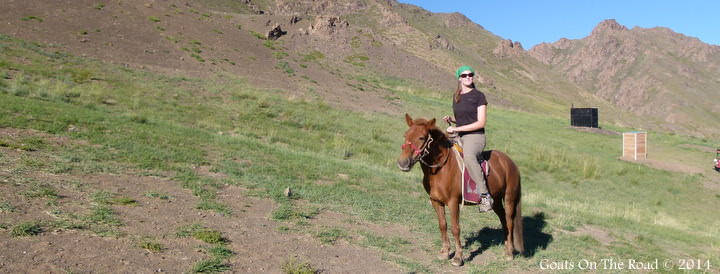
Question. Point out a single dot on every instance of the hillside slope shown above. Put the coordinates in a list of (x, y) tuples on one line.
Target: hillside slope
[(358, 54), (654, 73), (349, 53)]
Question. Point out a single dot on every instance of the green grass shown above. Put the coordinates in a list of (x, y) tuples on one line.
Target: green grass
[(209, 236), (285, 67), (280, 54), (571, 179), (312, 56), (157, 195), (215, 206), (357, 60), (287, 211), (26, 229), (220, 252), (295, 266), (38, 190), (270, 44), (6, 207), (258, 35), (210, 266), (31, 17), (151, 246), (125, 201), (330, 235), (103, 215), (201, 233), (388, 244)]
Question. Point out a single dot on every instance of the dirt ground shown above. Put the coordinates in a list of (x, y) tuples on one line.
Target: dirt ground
[(259, 246), (259, 242), (255, 238)]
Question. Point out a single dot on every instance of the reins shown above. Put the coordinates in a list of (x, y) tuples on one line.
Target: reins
[(425, 151)]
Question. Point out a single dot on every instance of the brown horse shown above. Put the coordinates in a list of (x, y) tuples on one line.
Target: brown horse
[(426, 143)]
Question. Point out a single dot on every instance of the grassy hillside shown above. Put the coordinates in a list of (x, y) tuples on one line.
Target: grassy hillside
[(580, 201), (327, 47)]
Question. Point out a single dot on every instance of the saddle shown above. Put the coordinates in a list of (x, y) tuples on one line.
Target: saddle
[(470, 194)]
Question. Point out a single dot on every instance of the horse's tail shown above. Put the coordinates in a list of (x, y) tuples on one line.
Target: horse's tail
[(518, 241)]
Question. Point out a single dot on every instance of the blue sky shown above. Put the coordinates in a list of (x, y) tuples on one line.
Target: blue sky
[(534, 22)]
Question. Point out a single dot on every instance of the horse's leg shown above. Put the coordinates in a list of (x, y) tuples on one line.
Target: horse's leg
[(455, 219), (510, 222), (500, 212), (442, 224)]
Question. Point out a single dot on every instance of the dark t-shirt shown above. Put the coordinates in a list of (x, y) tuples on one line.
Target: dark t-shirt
[(466, 110)]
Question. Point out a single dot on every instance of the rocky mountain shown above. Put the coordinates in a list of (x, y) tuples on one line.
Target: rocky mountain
[(357, 54), (667, 77)]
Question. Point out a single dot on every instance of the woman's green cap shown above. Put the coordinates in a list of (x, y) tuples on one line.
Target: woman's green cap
[(461, 69)]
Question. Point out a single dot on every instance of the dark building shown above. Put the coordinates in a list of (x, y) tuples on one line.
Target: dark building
[(584, 117)]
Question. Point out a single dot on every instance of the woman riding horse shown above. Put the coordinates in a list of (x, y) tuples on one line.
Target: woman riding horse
[(427, 144)]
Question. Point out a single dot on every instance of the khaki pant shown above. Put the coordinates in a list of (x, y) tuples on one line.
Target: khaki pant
[(473, 144)]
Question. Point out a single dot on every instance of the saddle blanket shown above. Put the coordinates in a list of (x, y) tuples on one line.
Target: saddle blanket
[(471, 195)]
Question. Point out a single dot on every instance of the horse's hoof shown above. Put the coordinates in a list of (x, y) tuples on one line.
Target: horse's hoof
[(509, 257), (457, 261)]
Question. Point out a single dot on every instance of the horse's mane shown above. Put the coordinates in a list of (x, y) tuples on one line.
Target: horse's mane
[(435, 131)]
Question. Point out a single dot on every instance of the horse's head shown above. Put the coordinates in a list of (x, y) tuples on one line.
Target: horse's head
[(416, 142)]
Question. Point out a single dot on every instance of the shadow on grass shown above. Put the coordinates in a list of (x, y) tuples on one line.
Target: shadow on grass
[(535, 239)]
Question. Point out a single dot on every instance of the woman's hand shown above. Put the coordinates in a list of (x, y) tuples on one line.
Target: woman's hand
[(450, 129), (448, 119)]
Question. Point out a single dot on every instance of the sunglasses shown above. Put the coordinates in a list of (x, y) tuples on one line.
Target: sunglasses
[(467, 75)]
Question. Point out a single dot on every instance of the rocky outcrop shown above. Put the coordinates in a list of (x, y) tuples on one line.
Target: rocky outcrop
[(607, 26), (319, 7), (326, 26), (547, 52), (253, 7), (456, 20), (440, 42), (506, 48), (275, 33), (543, 52), (390, 17)]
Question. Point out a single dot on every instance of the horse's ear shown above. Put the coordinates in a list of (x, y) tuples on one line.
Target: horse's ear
[(408, 120), (432, 122)]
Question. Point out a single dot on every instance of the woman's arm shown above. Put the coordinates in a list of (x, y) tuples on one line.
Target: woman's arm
[(480, 123), (449, 119)]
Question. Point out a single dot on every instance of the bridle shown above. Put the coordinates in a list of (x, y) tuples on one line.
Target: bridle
[(419, 154)]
